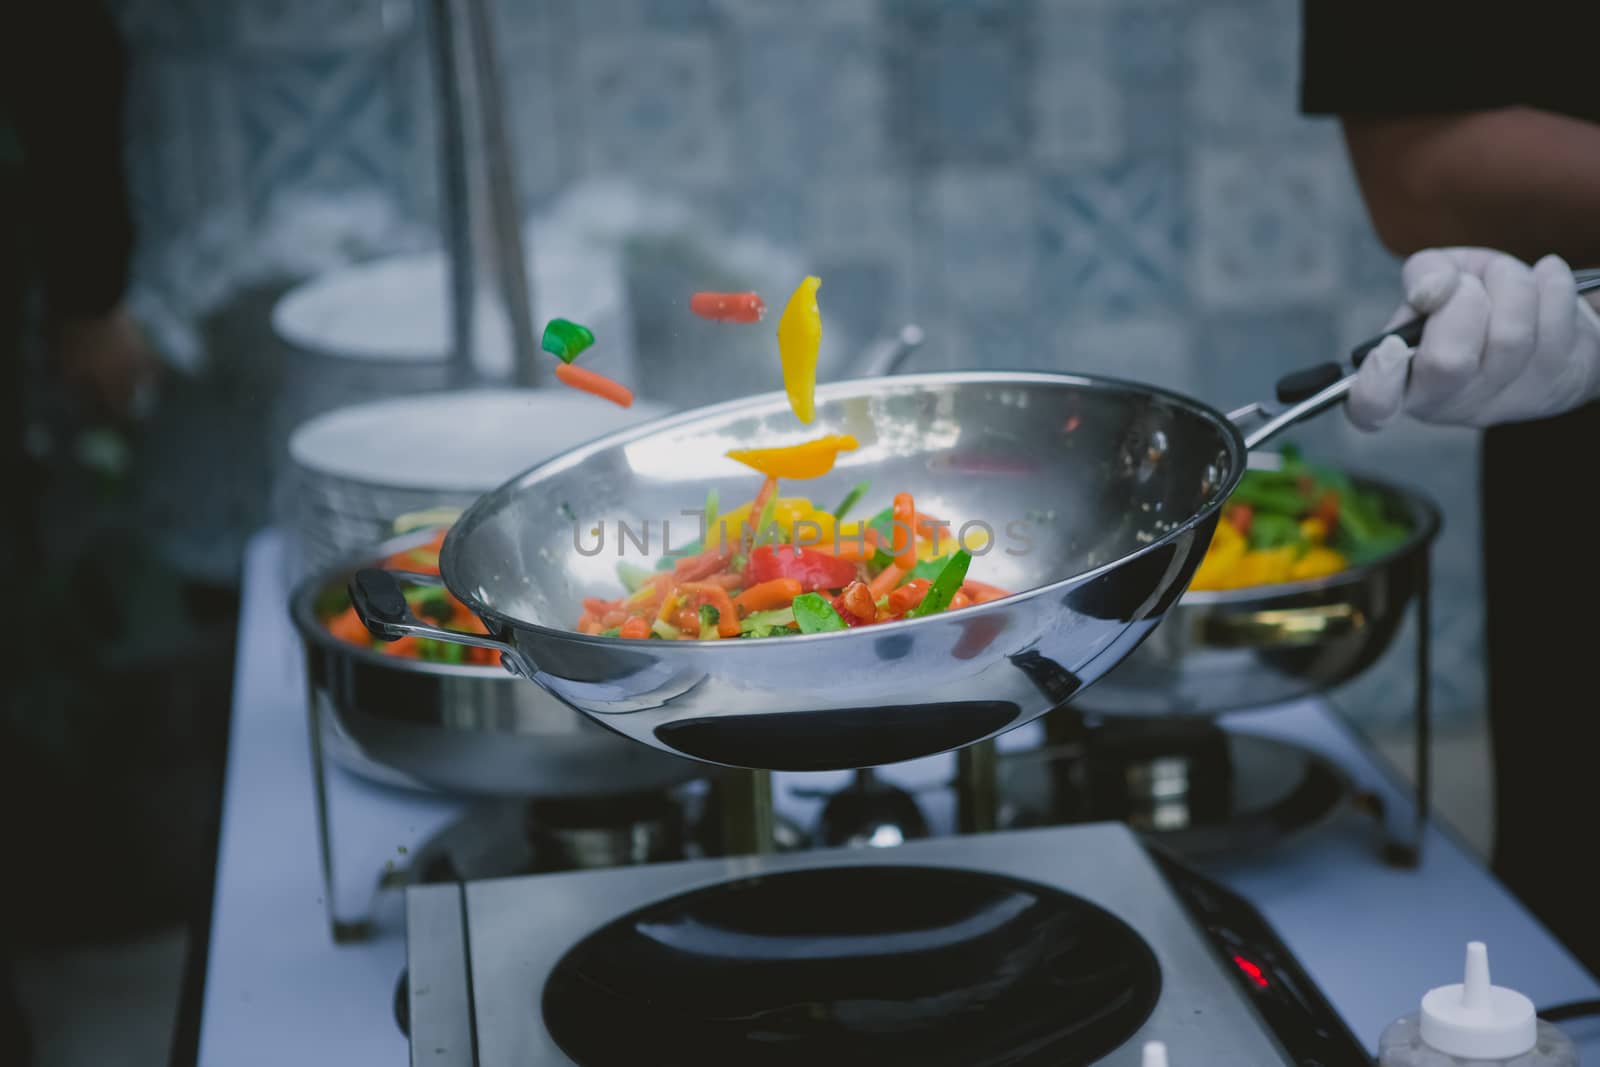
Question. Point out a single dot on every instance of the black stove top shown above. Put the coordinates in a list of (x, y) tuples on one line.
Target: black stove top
[(856, 965), (1067, 946)]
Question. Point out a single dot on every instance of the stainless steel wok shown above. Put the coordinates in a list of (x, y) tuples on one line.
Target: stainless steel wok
[(463, 729), (1226, 650), (1102, 496)]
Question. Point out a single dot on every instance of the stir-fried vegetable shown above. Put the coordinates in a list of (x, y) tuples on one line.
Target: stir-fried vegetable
[(431, 603), (734, 583), (1298, 522)]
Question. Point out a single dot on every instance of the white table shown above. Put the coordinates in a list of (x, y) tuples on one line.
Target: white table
[(279, 991)]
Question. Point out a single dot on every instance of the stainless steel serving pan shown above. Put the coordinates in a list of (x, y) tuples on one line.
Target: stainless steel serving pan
[(1231, 649), (464, 729), (1116, 486)]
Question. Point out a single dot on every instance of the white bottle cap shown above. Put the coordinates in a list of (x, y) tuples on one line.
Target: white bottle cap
[(1155, 1054), (1476, 1020)]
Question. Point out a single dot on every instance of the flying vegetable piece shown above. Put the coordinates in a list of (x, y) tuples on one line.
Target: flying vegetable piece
[(812, 459), (586, 380), (728, 307), (566, 340), (799, 338)]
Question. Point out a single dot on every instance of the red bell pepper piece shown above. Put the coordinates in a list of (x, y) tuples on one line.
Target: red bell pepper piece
[(812, 569), (855, 605)]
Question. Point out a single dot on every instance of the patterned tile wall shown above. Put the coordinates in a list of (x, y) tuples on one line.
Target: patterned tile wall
[(1114, 186)]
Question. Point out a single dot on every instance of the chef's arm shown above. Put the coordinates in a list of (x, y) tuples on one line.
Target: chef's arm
[(1516, 179)]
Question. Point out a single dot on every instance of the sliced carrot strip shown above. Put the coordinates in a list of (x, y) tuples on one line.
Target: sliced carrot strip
[(759, 504), (859, 551), (982, 592), (696, 568), (905, 542), (908, 596), (884, 583), (347, 626), (588, 381), (766, 596)]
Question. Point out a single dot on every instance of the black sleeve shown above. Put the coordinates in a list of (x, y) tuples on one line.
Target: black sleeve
[(1411, 58), (65, 67)]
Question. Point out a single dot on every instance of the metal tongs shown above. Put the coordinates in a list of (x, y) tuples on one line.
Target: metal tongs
[(1315, 389)]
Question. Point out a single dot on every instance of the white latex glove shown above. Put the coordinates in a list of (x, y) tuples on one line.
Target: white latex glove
[(1503, 343)]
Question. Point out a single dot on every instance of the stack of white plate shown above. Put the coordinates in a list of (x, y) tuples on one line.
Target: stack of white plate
[(354, 472)]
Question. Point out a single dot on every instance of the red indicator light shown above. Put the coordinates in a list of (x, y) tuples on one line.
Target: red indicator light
[(1252, 971)]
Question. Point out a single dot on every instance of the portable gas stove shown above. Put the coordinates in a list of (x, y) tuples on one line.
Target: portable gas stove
[(1060, 946)]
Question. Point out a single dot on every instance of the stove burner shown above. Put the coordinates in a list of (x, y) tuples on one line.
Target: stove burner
[(856, 965), (1198, 789)]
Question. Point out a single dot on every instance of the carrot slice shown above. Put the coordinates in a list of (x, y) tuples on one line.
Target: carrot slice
[(766, 596), (588, 381), (707, 563), (905, 541), (759, 504), (884, 583), (859, 551), (347, 626), (982, 592), (635, 627), (908, 596)]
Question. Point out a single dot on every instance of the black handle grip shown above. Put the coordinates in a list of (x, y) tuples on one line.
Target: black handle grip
[(1409, 332), (1304, 384), (380, 603)]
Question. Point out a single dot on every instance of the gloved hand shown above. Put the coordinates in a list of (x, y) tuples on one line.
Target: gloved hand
[(1503, 343)]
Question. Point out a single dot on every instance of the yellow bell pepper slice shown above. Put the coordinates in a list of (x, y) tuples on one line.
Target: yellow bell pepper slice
[(1221, 559), (799, 338), (1318, 562), (811, 459), (788, 511), (1263, 566), (1314, 530)]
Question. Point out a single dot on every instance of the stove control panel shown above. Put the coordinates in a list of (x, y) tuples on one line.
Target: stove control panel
[(1302, 1019)]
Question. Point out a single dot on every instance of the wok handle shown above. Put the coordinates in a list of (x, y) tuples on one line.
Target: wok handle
[(1585, 281), (1282, 627), (1328, 384), (382, 607)]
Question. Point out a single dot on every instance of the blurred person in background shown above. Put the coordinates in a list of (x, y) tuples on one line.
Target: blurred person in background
[(1477, 150), (65, 246)]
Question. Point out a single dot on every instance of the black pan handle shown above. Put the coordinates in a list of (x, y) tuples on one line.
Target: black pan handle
[(1585, 281), (379, 601), (1304, 384), (1409, 332), (380, 604)]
